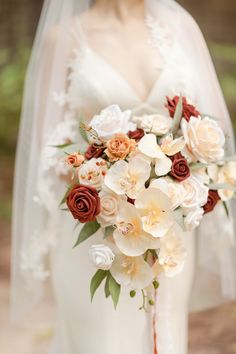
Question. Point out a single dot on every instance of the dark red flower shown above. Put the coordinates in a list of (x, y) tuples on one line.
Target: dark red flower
[(83, 202), (94, 151), (188, 109), (136, 134), (130, 200), (179, 169), (213, 198)]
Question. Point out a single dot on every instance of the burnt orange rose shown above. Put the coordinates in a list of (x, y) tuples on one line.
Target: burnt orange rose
[(94, 151), (83, 202), (213, 198), (179, 169), (119, 147), (136, 134), (188, 109), (75, 159)]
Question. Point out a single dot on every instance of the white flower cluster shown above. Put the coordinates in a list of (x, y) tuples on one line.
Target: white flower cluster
[(152, 175)]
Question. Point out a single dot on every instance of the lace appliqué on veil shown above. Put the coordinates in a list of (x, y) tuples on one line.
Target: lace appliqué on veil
[(49, 193)]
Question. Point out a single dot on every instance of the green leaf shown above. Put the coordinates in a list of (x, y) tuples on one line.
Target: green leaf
[(106, 288), (87, 231), (65, 209), (64, 197), (226, 208), (82, 130), (96, 281), (108, 231), (178, 115), (197, 165), (114, 289), (217, 186), (62, 146)]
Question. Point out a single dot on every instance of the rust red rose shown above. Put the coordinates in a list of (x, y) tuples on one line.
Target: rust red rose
[(213, 198), (136, 134), (83, 202), (130, 200), (93, 151), (188, 109), (179, 169)]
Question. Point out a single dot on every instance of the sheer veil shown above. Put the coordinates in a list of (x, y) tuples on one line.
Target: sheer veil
[(35, 209)]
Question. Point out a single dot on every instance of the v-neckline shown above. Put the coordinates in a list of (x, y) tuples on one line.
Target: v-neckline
[(121, 77)]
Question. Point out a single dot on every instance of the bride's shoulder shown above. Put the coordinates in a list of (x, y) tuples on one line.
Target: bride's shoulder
[(186, 18)]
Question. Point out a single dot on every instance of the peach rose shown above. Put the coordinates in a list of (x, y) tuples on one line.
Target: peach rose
[(119, 147), (75, 159)]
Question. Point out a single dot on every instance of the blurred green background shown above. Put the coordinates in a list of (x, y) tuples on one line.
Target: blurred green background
[(18, 22)]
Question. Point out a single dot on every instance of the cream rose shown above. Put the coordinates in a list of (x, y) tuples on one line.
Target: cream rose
[(92, 172), (156, 123), (193, 219), (101, 256), (204, 139), (225, 174), (196, 193), (111, 121), (109, 207)]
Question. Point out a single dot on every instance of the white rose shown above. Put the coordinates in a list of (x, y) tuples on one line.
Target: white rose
[(172, 253), (111, 121), (193, 219), (101, 256), (204, 139), (109, 207), (225, 174), (196, 193), (155, 123), (92, 172)]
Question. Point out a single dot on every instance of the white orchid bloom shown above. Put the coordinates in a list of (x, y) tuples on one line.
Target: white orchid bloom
[(149, 147), (128, 177), (172, 146), (155, 209), (133, 272), (172, 253), (174, 190), (129, 236)]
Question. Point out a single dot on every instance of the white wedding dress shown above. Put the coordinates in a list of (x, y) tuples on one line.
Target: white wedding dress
[(97, 328), (92, 83)]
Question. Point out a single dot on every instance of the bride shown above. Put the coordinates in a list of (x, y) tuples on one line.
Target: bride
[(88, 55)]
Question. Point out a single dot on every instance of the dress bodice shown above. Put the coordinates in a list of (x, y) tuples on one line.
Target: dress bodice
[(95, 84)]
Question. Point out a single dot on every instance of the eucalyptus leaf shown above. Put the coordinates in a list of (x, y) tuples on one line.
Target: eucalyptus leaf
[(108, 231), (87, 231), (106, 288), (226, 208), (196, 165), (217, 186), (62, 146), (114, 289), (96, 280), (228, 158), (177, 116)]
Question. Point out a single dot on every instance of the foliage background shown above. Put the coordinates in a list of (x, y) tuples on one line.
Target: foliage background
[(18, 22)]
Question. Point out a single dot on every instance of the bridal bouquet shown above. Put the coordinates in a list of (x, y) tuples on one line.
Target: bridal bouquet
[(144, 181)]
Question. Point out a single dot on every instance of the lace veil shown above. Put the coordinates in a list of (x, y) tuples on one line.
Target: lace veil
[(36, 214)]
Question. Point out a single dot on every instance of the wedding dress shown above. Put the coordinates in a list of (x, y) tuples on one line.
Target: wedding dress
[(91, 83)]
